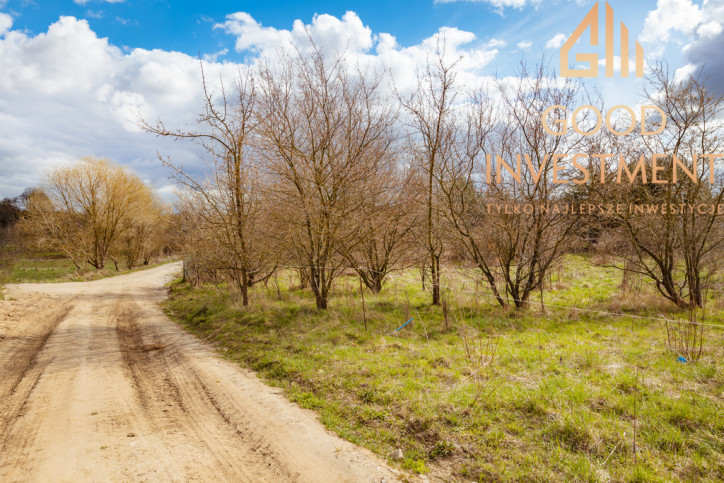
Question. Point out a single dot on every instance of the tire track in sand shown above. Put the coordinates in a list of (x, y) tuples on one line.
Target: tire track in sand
[(176, 402), (97, 384)]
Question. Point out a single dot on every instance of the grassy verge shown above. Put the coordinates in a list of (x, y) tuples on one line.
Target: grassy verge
[(52, 267), (502, 396)]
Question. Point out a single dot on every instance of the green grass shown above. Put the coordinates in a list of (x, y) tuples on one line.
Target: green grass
[(42, 267), (555, 404), (50, 267)]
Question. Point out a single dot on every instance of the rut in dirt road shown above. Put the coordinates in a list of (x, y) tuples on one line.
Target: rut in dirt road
[(98, 384), (20, 367)]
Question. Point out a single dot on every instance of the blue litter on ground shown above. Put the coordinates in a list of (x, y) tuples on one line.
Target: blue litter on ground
[(397, 329), (682, 359)]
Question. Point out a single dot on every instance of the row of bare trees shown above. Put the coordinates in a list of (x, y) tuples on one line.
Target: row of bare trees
[(323, 166), (93, 211), (680, 249), (303, 172)]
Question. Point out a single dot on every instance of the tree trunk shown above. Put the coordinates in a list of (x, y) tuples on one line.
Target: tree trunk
[(321, 300), (242, 281), (303, 279), (524, 302), (435, 276), (318, 285), (244, 295), (377, 284), (694, 284), (244, 288)]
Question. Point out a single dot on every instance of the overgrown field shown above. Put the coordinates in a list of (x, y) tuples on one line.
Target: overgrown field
[(488, 394)]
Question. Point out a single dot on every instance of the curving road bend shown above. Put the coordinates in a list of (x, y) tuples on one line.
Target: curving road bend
[(97, 384)]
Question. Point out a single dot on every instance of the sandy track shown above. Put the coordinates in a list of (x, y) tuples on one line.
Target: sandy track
[(97, 384)]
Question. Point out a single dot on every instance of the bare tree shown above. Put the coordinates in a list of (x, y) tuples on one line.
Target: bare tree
[(7, 235), (528, 243), (385, 222), (462, 192), (506, 219), (680, 245), (10, 212), (142, 237), (323, 128), (431, 109), (227, 203), (84, 208)]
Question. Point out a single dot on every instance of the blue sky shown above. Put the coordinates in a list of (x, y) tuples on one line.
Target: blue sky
[(189, 26), (75, 74)]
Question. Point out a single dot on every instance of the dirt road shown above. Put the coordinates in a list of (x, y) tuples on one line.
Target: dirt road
[(96, 384)]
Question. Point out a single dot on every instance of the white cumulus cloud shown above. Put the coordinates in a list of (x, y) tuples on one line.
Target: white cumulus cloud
[(525, 44), (684, 72), (703, 27), (6, 22), (66, 92), (671, 15), (617, 64), (378, 52), (498, 4), (556, 41), (709, 30)]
